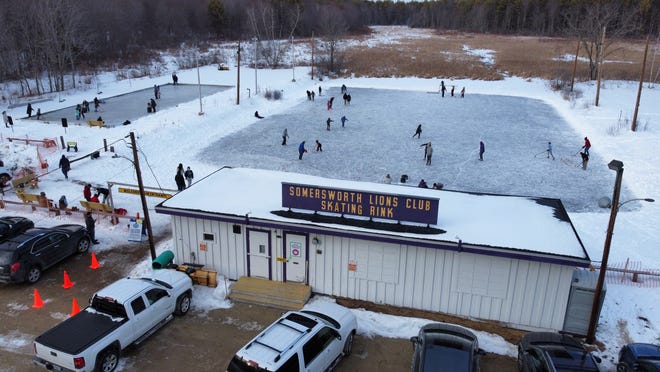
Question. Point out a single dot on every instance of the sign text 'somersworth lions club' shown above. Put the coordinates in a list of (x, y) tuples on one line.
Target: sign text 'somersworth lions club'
[(360, 203)]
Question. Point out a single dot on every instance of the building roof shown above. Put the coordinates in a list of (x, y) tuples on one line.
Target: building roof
[(505, 225)]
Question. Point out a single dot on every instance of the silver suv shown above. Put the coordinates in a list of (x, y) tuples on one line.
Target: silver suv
[(313, 339)]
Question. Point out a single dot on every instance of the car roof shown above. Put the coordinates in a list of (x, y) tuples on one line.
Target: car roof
[(549, 338), (644, 350), (124, 289), (13, 242)]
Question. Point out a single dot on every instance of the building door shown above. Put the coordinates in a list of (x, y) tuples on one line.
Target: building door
[(258, 254), (295, 251)]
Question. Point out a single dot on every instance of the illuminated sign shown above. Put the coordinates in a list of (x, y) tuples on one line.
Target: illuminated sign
[(360, 203)]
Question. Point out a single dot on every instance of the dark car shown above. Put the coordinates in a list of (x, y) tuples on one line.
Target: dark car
[(24, 256), (549, 352), (639, 357), (445, 347), (12, 226)]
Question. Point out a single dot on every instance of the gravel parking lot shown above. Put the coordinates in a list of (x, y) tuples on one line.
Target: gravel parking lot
[(199, 341)]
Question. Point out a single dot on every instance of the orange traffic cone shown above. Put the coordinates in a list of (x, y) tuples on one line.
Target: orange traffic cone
[(75, 309), (67, 282), (38, 303), (95, 263)]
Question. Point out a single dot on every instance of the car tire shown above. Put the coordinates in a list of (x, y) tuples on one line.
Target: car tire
[(183, 304), (348, 345), (107, 361), (33, 274), (83, 245), (621, 368)]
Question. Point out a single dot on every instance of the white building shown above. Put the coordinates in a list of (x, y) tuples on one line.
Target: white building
[(509, 259)]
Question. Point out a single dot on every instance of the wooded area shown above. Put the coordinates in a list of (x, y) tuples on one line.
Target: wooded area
[(45, 44)]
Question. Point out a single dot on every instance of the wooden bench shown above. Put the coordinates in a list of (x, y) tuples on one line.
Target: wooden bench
[(28, 198), (95, 123), (30, 180), (98, 207)]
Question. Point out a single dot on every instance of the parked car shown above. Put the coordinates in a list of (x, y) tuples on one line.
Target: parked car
[(13, 225), (24, 256), (445, 347), (305, 340), (549, 351), (639, 357), (124, 313)]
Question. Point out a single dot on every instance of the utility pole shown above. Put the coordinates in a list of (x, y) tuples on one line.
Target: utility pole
[(641, 83), (238, 74), (256, 53), (600, 64), (312, 55), (147, 221), (199, 85), (293, 61)]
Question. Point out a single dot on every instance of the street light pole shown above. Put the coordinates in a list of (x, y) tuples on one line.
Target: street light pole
[(147, 220), (617, 166)]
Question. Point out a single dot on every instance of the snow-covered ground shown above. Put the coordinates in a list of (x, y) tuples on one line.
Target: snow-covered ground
[(514, 117)]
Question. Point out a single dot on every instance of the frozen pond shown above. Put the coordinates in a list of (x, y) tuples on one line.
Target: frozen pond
[(131, 106), (377, 139)]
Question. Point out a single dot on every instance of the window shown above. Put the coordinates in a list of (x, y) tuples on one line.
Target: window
[(291, 365), (209, 237), (40, 244), (262, 248), (155, 294), (317, 344), (138, 305)]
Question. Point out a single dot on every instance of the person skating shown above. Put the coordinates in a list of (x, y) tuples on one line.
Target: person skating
[(5, 119), (343, 121), (418, 131), (153, 104), (285, 135), (443, 89), (65, 165), (426, 148), (319, 146), (482, 149), (301, 149), (175, 79), (587, 145), (549, 153), (90, 223), (189, 176), (452, 90), (463, 92), (429, 154), (29, 110), (97, 103), (327, 123)]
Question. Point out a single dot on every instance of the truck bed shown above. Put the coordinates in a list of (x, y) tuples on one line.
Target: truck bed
[(75, 334)]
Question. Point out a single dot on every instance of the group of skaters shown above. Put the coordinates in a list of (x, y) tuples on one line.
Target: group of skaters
[(183, 176), (151, 104), (443, 89)]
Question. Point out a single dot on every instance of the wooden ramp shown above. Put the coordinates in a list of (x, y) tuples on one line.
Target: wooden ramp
[(289, 296)]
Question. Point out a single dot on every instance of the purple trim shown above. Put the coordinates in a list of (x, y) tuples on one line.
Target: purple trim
[(270, 251), (375, 236)]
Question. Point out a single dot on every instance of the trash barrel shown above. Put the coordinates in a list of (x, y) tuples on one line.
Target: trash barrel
[(163, 260)]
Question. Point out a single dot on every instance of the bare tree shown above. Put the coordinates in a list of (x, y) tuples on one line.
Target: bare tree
[(272, 23), (333, 28), (588, 20)]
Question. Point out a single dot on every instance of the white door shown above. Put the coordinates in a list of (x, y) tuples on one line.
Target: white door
[(259, 254), (295, 251)]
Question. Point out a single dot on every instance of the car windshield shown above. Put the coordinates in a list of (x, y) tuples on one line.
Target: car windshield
[(571, 359), (442, 352)]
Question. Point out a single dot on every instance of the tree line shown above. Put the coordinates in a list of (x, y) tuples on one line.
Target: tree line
[(47, 43)]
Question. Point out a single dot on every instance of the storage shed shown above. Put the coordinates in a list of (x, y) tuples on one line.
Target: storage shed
[(504, 258)]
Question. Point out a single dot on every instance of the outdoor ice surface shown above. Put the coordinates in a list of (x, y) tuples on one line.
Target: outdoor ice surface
[(377, 139), (133, 105)]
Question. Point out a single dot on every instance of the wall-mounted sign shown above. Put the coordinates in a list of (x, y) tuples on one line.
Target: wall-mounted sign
[(352, 265), (202, 246), (360, 203), (295, 249), (146, 193)]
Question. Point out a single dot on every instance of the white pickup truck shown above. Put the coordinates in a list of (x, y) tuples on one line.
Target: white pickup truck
[(125, 312)]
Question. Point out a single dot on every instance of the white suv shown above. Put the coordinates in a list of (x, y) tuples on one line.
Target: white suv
[(313, 339)]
